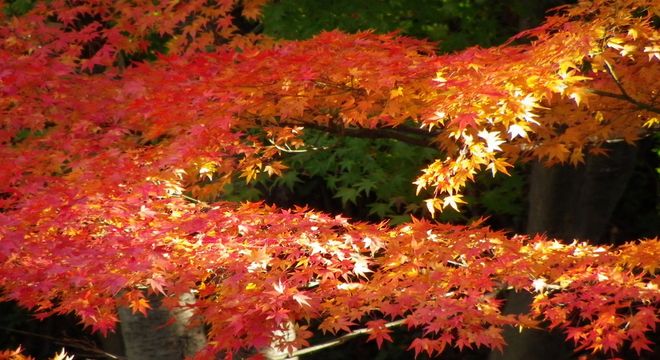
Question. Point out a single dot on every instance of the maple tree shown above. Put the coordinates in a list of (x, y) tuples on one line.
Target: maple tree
[(369, 178), (118, 167)]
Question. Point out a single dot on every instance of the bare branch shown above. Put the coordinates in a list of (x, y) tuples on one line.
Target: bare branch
[(417, 138), (340, 340), (615, 77), (70, 342), (624, 94), (627, 98)]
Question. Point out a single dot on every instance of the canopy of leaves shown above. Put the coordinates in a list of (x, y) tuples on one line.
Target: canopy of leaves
[(114, 168), (366, 177)]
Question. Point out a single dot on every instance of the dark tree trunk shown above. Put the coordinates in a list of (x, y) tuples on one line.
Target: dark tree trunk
[(112, 343), (577, 202), (568, 203), (153, 337)]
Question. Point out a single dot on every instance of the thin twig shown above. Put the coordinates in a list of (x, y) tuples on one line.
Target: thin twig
[(615, 77), (288, 149), (407, 134), (73, 344), (340, 340), (639, 104), (192, 199), (624, 94), (425, 140), (456, 263)]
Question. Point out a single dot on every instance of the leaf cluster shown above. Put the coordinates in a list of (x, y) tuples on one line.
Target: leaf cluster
[(119, 194)]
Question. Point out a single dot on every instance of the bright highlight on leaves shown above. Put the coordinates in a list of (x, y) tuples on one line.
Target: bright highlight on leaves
[(118, 170)]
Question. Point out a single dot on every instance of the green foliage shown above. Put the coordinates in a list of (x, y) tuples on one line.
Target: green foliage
[(239, 191), (454, 23), (25, 134), (371, 178), (17, 7), (502, 194), (372, 173)]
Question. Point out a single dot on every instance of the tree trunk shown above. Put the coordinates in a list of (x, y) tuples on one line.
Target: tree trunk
[(112, 343), (152, 337), (567, 203), (272, 353), (577, 203)]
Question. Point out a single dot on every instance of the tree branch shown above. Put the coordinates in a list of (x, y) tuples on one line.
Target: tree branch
[(417, 137), (615, 77), (340, 340), (70, 342), (624, 94), (627, 98)]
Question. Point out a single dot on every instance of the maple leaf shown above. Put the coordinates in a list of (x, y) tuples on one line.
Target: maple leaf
[(252, 9), (429, 346), (280, 316), (361, 267), (432, 204), (116, 171), (137, 302), (335, 323), (493, 140), (15, 354), (641, 343), (392, 310), (156, 284), (62, 355), (378, 332), (516, 130), (465, 121), (453, 201), (578, 94), (347, 195), (302, 299), (140, 305)]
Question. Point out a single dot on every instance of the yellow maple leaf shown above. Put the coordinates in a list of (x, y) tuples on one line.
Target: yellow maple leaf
[(652, 122), (432, 205), (493, 140), (516, 130), (453, 201), (139, 305), (396, 92), (62, 355)]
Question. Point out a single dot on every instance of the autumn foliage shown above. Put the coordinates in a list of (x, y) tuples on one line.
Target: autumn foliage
[(115, 167)]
